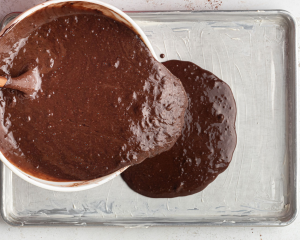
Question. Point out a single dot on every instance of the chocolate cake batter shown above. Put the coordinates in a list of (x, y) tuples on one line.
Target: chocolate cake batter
[(104, 102), (205, 148)]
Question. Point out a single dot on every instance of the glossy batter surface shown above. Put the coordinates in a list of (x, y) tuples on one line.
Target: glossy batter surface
[(104, 102), (205, 148)]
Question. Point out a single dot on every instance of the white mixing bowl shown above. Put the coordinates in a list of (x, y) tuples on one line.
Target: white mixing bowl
[(109, 11)]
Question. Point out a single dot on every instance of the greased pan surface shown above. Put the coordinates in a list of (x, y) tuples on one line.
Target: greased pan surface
[(255, 53)]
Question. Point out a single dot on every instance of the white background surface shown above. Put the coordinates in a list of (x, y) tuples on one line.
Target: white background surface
[(91, 233)]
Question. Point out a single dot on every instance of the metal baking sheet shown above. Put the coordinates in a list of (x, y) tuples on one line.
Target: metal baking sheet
[(255, 53)]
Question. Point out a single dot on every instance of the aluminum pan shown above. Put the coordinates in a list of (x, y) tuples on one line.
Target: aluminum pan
[(256, 194)]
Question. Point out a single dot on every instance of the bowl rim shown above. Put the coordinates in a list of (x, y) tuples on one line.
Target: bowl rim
[(68, 186)]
